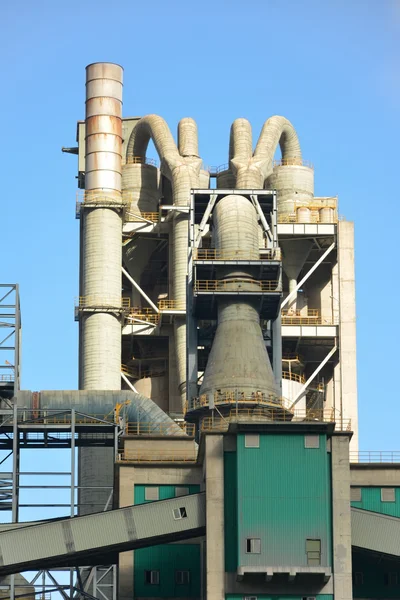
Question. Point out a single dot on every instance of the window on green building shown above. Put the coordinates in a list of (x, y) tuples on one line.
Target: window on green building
[(355, 494), (253, 546), (388, 495), (311, 441), (181, 491), (152, 577), (151, 493), (313, 550), (252, 440), (182, 577)]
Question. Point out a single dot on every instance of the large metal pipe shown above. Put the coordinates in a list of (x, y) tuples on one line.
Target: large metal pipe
[(102, 229), (181, 164), (101, 261)]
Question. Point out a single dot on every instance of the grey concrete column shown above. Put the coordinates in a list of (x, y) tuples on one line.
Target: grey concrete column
[(341, 518), (214, 464), (347, 327)]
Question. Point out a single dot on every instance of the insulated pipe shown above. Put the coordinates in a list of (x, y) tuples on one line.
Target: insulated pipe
[(252, 170), (182, 167), (102, 228)]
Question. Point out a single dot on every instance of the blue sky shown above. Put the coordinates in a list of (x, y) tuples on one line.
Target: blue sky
[(331, 67)]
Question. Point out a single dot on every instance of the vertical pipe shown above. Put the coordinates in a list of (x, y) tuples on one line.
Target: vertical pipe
[(102, 249), (100, 358), (72, 513)]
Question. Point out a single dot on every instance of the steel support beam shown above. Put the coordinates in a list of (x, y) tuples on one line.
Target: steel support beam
[(313, 375), (139, 289), (307, 275)]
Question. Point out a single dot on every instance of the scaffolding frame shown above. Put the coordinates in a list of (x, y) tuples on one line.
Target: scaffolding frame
[(22, 428)]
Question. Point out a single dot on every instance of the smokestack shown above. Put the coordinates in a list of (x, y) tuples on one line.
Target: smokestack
[(102, 230), (238, 361)]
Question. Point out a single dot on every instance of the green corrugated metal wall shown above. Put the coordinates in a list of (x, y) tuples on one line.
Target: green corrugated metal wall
[(230, 510), (371, 500), (165, 491), (283, 498), (374, 568), (263, 597), (166, 558)]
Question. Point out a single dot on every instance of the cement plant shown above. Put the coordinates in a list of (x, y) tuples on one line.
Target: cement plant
[(213, 441)]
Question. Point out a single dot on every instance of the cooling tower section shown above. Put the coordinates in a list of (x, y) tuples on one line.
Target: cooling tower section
[(238, 362), (102, 229)]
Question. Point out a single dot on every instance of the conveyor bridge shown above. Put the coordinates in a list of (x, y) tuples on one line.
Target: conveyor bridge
[(98, 538)]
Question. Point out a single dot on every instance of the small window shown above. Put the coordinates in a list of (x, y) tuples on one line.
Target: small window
[(311, 441), (358, 578), (253, 546), (252, 440), (309, 598), (391, 578), (388, 495), (181, 491), (151, 493), (313, 550), (355, 494), (152, 577), (182, 577), (250, 598), (179, 513)]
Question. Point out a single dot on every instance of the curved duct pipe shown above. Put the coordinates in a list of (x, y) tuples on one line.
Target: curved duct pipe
[(182, 166), (253, 168)]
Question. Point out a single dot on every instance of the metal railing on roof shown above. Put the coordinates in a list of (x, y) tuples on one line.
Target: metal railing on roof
[(175, 456), (158, 429), (275, 415), (140, 217), (375, 456)]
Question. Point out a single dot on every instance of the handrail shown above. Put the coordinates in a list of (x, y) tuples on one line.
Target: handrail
[(171, 305), (295, 161), (220, 285), (375, 456), (140, 216), (273, 414), (7, 377), (311, 318), (152, 428), (216, 254), (293, 376), (157, 456), (239, 397), (143, 314), (140, 160)]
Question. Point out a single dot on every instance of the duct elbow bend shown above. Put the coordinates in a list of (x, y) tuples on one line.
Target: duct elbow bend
[(155, 128), (278, 130)]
